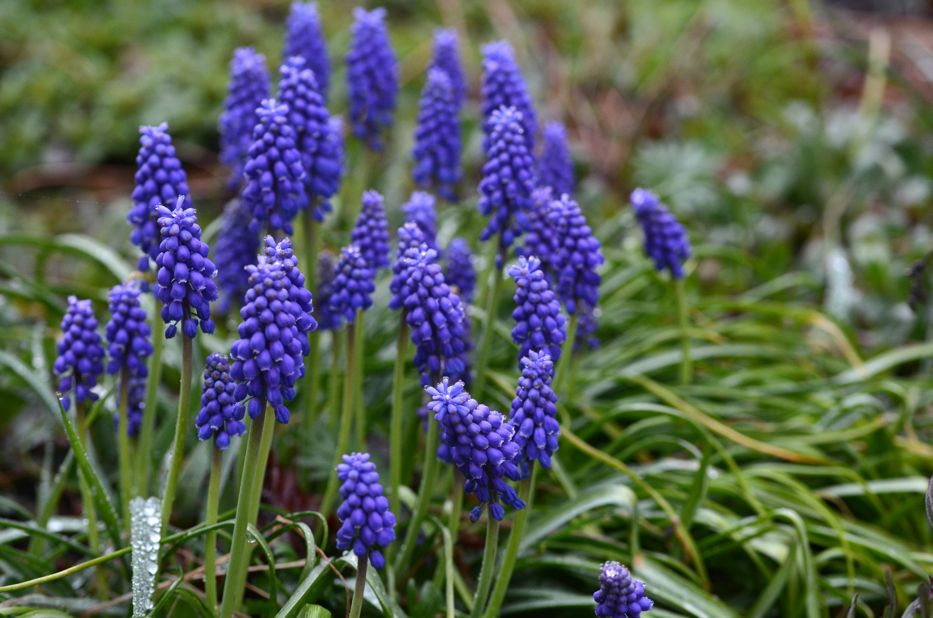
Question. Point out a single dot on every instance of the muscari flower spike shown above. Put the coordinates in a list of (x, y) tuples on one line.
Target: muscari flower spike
[(435, 316), (353, 286), (321, 155), (220, 416), (304, 38), (410, 236), (372, 76), (274, 191), (326, 273), (371, 232), (620, 595), (447, 59), (534, 411), (419, 209), (282, 253), (437, 137), (80, 358), (666, 240), (480, 443), (268, 356), (541, 238), (185, 281), (135, 402), (460, 271), (577, 258), (508, 180), (160, 179), (234, 250), (367, 525), (504, 86), (248, 86), (539, 325), (129, 346), (555, 165)]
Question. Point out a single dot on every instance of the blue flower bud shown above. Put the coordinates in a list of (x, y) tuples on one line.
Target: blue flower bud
[(460, 272), (620, 595), (304, 38), (666, 240), (372, 76), (220, 416), (80, 358), (248, 86), (371, 232), (447, 58), (353, 286), (437, 137), (539, 325), (555, 165), (534, 411), (367, 525), (234, 250), (504, 86)]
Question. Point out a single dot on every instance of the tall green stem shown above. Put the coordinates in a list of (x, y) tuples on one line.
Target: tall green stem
[(147, 428), (258, 444), (210, 539), (489, 566), (526, 493), (492, 303), (357, 376), (333, 394), (311, 240), (181, 431), (686, 365), (87, 498), (395, 423), (563, 365), (453, 528), (360, 589), (123, 445), (428, 475), (346, 421)]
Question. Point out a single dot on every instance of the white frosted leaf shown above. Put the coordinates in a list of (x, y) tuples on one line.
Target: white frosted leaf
[(145, 537)]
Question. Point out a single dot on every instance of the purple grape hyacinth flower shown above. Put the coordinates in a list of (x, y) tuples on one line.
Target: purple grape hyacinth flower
[(185, 280), (447, 59), (435, 316), (321, 155), (274, 191), (410, 236), (539, 325), (367, 525), (541, 239), (577, 258), (437, 147), (372, 76), (160, 179), (268, 356), (80, 359), (666, 241), (620, 595), (248, 86), (129, 347), (220, 416), (534, 411), (419, 209), (234, 250), (460, 271), (371, 232), (504, 86), (508, 180), (303, 37), (353, 286), (480, 443), (326, 273), (555, 166), (282, 253)]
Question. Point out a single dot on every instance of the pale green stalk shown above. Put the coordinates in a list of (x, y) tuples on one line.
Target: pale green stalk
[(359, 591), (210, 539), (123, 445), (395, 423), (428, 475), (686, 365), (181, 431), (489, 565), (346, 421), (147, 428)]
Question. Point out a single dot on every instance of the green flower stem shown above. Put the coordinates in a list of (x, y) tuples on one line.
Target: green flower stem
[(346, 422), (428, 475), (258, 444), (492, 302), (210, 539), (489, 566), (51, 577), (453, 528), (123, 446), (526, 493), (686, 365), (357, 376), (87, 498), (311, 240), (181, 431), (333, 395), (356, 607), (395, 423), (147, 429), (563, 366)]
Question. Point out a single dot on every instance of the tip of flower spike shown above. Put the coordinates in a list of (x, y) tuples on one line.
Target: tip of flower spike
[(507, 118), (498, 51), (554, 130), (247, 59), (643, 199), (154, 130), (540, 361), (439, 83), (526, 265), (373, 17)]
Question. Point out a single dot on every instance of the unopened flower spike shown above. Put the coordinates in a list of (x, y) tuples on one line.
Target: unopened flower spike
[(80, 360), (274, 175), (367, 525), (326, 273), (248, 86), (446, 58), (460, 272), (372, 77), (159, 180), (555, 166), (504, 86), (437, 145), (234, 250), (577, 258), (480, 443), (353, 286), (371, 232), (620, 595), (220, 416), (304, 37), (539, 325), (666, 241), (185, 279), (129, 347), (534, 411)]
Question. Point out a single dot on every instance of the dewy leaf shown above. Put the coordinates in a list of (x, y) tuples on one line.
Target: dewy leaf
[(145, 538)]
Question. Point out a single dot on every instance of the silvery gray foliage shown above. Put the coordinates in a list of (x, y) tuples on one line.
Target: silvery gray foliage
[(145, 537)]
